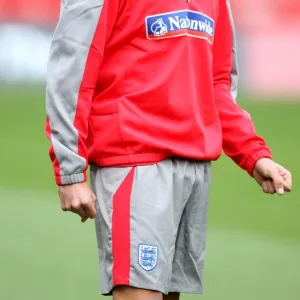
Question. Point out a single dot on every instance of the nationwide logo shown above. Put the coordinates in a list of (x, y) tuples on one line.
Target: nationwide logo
[(180, 23)]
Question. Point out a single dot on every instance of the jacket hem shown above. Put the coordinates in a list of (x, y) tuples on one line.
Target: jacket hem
[(130, 160)]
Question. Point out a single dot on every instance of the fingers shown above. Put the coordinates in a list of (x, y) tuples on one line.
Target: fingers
[(80, 211), (76, 208), (287, 186), (268, 187), (90, 210), (277, 182), (287, 180), (84, 210), (272, 177), (79, 199)]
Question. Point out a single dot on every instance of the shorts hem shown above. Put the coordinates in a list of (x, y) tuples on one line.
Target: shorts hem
[(107, 291), (186, 290)]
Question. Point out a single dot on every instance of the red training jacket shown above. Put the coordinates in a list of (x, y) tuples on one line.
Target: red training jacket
[(135, 82)]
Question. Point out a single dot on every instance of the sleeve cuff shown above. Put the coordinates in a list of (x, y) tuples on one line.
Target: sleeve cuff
[(252, 159), (71, 179)]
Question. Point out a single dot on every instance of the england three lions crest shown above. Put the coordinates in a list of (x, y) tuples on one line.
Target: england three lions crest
[(180, 23), (148, 255)]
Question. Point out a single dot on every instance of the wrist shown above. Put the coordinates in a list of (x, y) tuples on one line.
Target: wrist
[(255, 157)]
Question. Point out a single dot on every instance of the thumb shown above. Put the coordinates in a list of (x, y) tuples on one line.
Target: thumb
[(277, 181)]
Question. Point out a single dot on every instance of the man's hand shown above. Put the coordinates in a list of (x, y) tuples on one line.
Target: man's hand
[(272, 177), (79, 199)]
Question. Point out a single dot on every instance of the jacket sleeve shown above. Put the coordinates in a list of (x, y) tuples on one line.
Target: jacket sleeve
[(73, 69), (240, 142)]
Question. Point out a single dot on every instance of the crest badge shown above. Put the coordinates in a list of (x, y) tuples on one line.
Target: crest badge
[(148, 255)]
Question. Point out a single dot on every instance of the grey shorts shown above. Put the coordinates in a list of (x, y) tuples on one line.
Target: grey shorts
[(151, 225)]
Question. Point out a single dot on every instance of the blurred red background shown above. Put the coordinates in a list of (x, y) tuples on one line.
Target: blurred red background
[(29, 11), (247, 12), (268, 33)]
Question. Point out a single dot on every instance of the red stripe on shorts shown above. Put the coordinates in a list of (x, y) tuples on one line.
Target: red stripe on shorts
[(121, 231)]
